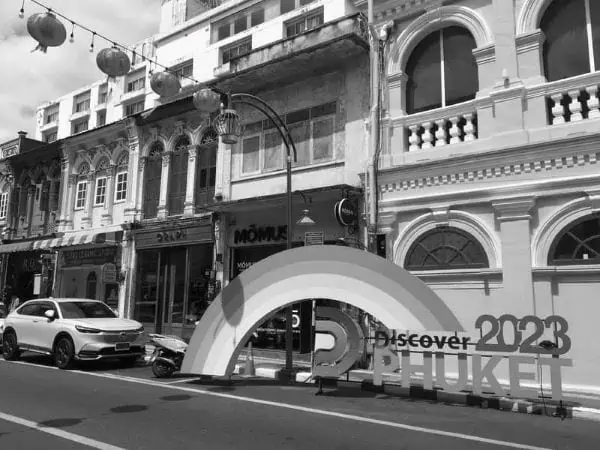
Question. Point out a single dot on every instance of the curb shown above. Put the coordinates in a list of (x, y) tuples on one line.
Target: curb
[(462, 399)]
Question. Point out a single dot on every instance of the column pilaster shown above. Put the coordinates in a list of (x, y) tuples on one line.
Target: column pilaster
[(164, 185), (110, 196), (88, 219), (190, 191), (514, 218)]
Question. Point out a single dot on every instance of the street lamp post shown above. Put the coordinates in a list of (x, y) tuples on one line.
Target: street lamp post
[(229, 129)]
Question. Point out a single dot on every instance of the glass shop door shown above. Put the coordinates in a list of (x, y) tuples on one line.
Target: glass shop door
[(172, 291)]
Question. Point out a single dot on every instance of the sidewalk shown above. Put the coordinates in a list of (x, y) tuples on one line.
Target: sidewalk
[(575, 405)]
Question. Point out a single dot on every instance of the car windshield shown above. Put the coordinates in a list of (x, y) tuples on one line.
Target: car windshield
[(85, 310)]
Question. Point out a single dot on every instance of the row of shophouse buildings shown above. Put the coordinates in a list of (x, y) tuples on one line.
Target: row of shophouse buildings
[(486, 186)]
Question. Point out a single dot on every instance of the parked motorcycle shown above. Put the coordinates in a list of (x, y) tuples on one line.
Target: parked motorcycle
[(168, 354)]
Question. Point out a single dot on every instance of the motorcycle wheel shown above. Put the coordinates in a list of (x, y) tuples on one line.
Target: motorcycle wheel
[(160, 369)]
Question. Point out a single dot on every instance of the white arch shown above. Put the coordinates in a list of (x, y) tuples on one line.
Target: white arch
[(79, 160), (434, 20), (199, 132), (175, 137), (557, 222), (457, 219), (362, 279), (530, 15), (98, 158), (160, 138)]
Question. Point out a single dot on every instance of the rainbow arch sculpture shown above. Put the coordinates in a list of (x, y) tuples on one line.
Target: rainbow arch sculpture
[(374, 284)]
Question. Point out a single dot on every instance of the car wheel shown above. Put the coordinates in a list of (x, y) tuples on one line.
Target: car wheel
[(64, 353), (10, 347), (161, 369)]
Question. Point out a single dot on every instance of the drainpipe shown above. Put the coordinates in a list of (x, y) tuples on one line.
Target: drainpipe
[(375, 113)]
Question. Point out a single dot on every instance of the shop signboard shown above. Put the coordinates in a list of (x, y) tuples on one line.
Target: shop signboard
[(427, 354), (169, 236), (109, 273), (345, 212), (313, 238), (93, 256)]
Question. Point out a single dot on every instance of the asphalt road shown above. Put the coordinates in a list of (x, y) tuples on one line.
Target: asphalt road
[(45, 408)]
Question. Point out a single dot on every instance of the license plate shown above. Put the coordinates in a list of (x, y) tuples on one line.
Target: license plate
[(122, 346)]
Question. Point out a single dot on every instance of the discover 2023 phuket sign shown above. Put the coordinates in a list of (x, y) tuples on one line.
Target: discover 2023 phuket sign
[(398, 350), (380, 288)]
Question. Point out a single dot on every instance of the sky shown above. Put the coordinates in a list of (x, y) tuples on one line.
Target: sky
[(30, 79)]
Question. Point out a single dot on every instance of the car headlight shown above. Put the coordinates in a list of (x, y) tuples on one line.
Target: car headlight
[(82, 329), (140, 330)]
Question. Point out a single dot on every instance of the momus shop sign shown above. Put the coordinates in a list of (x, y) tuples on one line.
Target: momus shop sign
[(399, 351)]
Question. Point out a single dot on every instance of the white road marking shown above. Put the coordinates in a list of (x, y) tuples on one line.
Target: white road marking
[(187, 380), (386, 423), (58, 433)]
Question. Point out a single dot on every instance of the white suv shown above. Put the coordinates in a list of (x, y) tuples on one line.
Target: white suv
[(71, 329)]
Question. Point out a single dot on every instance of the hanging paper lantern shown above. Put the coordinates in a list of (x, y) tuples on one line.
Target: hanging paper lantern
[(47, 30), (207, 101), (165, 84), (113, 62)]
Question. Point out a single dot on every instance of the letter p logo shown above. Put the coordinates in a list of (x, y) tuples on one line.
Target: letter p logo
[(347, 349)]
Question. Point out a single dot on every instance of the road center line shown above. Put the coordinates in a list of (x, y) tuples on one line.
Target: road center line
[(322, 412), (58, 433)]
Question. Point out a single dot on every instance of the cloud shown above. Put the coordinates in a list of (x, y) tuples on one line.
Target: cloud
[(29, 79)]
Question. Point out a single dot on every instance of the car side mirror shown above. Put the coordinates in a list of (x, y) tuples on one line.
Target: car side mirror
[(50, 314)]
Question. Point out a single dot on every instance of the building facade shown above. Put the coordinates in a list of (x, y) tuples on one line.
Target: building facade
[(155, 200), (30, 186), (488, 182)]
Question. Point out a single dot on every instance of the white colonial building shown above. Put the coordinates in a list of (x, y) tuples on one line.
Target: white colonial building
[(488, 181)]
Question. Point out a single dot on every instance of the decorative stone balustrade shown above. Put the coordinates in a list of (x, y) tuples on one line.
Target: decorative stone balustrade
[(428, 130), (571, 100)]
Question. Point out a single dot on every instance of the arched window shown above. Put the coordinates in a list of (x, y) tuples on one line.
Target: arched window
[(178, 178), (4, 200), (81, 190), (152, 177), (445, 248), (121, 177), (579, 243), (441, 70), (90, 286), (206, 169), (569, 39), (101, 173)]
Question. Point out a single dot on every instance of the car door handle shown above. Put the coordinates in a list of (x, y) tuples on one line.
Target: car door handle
[(35, 321)]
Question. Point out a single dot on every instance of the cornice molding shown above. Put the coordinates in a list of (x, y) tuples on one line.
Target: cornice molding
[(499, 165)]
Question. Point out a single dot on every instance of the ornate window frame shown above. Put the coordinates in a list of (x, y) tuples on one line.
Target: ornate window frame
[(461, 220), (550, 230)]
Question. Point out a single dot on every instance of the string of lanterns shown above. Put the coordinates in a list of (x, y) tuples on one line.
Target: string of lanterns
[(113, 61)]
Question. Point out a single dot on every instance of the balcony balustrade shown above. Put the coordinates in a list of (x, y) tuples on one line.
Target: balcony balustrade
[(440, 127), (570, 100)]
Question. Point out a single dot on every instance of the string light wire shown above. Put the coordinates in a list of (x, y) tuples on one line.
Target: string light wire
[(111, 41)]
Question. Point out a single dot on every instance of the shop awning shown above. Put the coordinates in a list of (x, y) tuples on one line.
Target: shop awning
[(81, 238), (16, 247)]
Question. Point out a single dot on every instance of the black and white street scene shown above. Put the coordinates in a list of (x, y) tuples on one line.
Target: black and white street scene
[(339, 224)]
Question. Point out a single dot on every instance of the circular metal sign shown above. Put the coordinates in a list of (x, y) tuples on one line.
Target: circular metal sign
[(345, 212)]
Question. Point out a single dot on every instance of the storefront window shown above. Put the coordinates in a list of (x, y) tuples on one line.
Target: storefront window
[(174, 288), (271, 333), (90, 286), (145, 305), (200, 267)]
